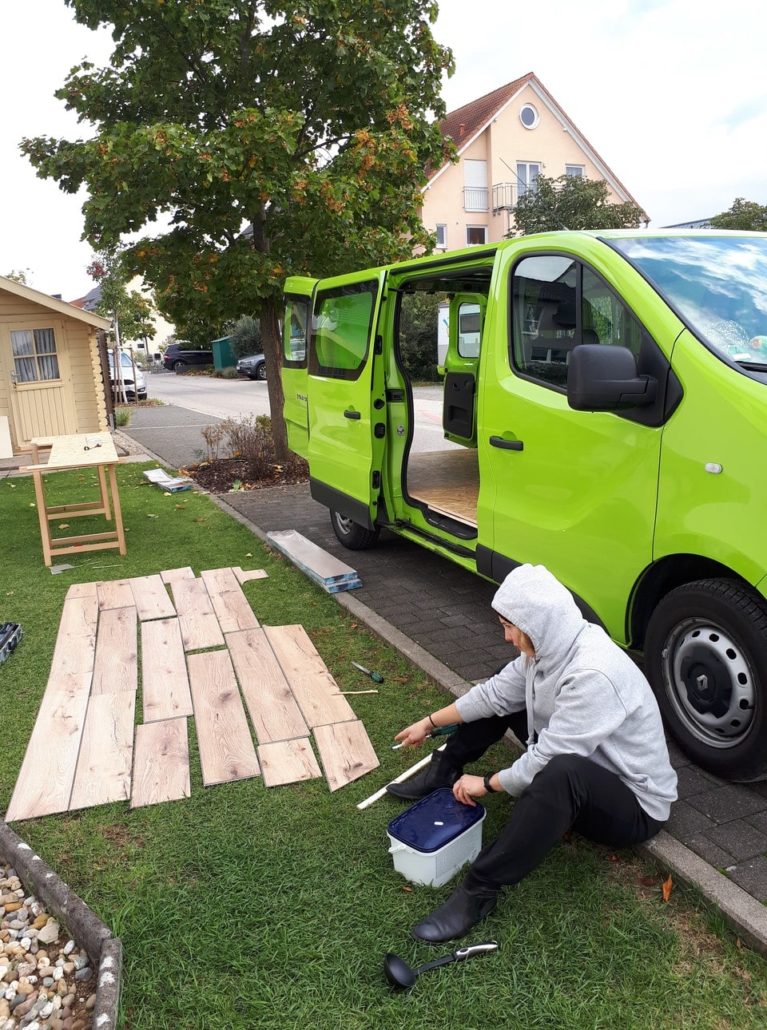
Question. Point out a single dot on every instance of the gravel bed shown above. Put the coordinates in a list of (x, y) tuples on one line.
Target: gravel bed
[(46, 980)]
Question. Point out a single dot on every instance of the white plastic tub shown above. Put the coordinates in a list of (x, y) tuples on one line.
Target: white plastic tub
[(435, 837)]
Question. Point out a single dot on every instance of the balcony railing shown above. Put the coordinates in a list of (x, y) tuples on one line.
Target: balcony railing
[(475, 198)]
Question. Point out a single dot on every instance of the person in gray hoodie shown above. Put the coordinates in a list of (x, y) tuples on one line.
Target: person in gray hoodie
[(595, 761)]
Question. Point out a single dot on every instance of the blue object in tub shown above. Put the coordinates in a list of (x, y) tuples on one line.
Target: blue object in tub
[(434, 821)]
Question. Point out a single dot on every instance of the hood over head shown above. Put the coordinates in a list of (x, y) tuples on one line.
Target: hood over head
[(535, 601)]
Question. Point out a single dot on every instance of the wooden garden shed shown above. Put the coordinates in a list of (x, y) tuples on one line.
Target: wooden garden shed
[(51, 378)]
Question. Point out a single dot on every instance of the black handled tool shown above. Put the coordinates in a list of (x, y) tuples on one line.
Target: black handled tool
[(401, 975)]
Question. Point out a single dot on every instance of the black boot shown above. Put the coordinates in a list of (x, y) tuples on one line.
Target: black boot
[(440, 772), (465, 907)]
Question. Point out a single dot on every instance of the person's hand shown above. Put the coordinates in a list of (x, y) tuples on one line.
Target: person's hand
[(467, 788), (416, 734)]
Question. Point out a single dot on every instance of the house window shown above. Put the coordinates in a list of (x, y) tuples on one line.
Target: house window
[(574, 171), (34, 355), (475, 235), (527, 177), (529, 117), (475, 194), (442, 236)]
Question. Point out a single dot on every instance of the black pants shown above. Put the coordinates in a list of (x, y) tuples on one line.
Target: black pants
[(570, 792)]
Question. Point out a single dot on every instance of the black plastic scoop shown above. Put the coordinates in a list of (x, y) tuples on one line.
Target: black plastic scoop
[(401, 975)]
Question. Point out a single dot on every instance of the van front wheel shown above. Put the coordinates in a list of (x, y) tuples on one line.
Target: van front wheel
[(352, 534), (705, 651)]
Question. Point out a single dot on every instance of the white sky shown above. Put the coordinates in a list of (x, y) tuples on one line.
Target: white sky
[(671, 93)]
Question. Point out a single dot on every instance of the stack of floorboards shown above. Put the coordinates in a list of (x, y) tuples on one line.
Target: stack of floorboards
[(201, 653), (325, 569)]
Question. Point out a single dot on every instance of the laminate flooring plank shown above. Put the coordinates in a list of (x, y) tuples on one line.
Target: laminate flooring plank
[(219, 580), (197, 618), (115, 593), (313, 687), (229, 603), (75, 649), (106, 752), (151, 598), (160, 763), (44, 783), (288, 761), (246, 575), (171, 575), (346, 752), (273, 709), (83, 590), (164, 679), (116, 666), (226, 746)]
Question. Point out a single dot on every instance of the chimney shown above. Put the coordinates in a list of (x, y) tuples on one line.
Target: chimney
[(56, 296), (461, 129)]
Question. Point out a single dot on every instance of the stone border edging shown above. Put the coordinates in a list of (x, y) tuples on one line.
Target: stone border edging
[(83, 924)]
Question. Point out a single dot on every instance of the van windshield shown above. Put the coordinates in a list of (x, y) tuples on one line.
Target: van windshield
[(718, 284)]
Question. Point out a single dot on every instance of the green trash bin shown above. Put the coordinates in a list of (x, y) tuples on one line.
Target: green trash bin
[(223, 355)]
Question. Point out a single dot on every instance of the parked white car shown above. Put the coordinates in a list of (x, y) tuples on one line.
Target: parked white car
[(133, 390)]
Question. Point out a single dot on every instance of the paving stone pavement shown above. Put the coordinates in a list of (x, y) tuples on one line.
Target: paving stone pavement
[(447, 611)]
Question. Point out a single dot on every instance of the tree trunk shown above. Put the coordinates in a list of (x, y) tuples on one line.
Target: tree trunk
[(272, 344)]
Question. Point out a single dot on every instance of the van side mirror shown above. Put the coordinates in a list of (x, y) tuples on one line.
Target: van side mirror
[(601, 377)]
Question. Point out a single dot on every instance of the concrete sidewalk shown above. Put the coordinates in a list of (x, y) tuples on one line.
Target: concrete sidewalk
[(431, 608)]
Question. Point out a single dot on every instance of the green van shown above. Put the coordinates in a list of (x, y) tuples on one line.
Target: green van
[(604, 413)]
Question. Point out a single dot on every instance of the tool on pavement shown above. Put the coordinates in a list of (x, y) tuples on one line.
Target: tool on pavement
[(438, 731), (402, 976), (376, 677)]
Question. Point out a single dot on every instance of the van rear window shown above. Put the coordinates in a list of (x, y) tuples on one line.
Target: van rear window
[(343, 322)]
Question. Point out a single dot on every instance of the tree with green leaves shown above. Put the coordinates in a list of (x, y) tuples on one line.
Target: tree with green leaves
[(572, 202), (129, 308), (745, 215), (246, 336), (307, 123), (18, 275)]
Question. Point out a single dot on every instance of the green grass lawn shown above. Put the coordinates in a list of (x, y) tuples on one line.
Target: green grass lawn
[(243, 907)]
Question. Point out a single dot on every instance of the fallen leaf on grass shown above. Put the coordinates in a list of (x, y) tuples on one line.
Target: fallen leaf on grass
[(167, 493), (406, 890), (12, 486), (181, 507), (667, 885), (63, 525), (150, 516), (248, 555), (198, 520), (31, 504)]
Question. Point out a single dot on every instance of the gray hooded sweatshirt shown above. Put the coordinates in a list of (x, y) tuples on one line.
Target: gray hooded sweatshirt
[(583, 694)]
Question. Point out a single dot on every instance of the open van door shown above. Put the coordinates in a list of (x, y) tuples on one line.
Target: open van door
[(459, 413), (347, 406), (299, 296)]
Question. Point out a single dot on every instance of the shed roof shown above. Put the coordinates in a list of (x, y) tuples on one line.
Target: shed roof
[(59, 306)]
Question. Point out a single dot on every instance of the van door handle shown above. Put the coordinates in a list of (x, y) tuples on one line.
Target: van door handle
[(506, 445), (352, 414)]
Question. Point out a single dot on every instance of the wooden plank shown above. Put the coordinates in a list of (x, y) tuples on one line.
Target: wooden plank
[(229, 603), (104, 767), (116, 665), (115, 593), (273, 709), (44, 782), (288, 761), (313, 687), (171, 575), (226, 747), (83, 590), (448, 481), (197, 619), (246, 575), (75, 649), (346, 752), (160, 763), (151, 598), (164, 680)]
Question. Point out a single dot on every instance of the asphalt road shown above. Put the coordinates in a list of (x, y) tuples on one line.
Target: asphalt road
[(225, 398)]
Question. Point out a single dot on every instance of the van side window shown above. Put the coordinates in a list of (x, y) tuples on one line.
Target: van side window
[(605, 318), (295, 330), (341, 329), (469, 329), (544, 305)]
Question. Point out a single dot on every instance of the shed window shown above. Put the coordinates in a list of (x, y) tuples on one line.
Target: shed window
[(34, 355)]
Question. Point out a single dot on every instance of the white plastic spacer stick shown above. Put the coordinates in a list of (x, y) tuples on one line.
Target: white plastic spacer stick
[(402, 776)]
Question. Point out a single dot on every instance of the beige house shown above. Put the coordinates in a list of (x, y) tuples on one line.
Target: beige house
[(51, 380), (505, 140)]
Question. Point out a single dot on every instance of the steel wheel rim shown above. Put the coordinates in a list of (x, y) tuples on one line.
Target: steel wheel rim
[(344, 524), (694, 650)]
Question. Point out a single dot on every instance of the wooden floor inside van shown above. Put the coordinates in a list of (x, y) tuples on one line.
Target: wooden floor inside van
[(448, 481)]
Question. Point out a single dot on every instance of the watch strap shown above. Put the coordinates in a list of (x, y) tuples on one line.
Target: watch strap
[(488, 786)]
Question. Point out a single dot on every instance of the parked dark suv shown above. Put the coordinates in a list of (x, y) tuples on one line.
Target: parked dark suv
[(177, 358)]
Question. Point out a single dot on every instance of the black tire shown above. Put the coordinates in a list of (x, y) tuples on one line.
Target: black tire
[(706, 659), (179, 367), (352, 534), (261, 372)]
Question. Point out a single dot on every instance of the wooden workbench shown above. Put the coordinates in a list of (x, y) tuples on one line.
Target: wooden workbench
[(81, 450)]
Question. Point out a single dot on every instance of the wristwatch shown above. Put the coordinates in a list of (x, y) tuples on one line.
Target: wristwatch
[(488, 786)]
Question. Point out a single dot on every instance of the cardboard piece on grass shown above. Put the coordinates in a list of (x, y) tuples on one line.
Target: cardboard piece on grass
[(329, 572), (173, 484)]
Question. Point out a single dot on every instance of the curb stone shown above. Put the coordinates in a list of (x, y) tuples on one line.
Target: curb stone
[(103, 948)]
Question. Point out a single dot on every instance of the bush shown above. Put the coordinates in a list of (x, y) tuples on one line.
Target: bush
[(250, 438), (122, 417), (418, 335), (246, 336), (230, 372)]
